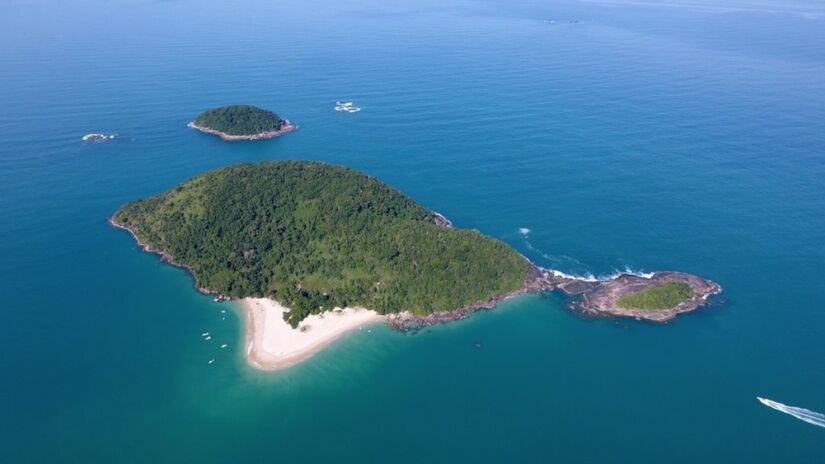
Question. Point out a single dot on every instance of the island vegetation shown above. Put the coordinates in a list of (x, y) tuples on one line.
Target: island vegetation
[(240, 120), (316, 236), (665, 296)]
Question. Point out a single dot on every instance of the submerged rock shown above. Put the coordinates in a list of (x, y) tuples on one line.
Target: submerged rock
[(94, 137)]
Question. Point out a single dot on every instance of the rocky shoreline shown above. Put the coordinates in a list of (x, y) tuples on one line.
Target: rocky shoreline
[(407, 322), (165, 258), (597, 298), (441, 221), (591, 297), (285, 128)]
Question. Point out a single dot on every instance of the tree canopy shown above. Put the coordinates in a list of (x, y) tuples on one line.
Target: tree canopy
[(315, 236), (240, 120)]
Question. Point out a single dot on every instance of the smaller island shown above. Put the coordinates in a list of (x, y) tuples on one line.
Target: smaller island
[(657, 297), (242, 122)]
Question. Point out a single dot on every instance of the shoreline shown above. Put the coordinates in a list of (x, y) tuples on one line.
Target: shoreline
[(285, 129), (272, 344), (593, 298), (165, 258), (536, 282), (602, 298)]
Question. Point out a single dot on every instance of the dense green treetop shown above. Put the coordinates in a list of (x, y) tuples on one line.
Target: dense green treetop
[(315, 236), (666, 296), (240, 120)]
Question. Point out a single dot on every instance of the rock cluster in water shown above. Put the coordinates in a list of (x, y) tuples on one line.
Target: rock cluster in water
[(601, 297), (95, 137)]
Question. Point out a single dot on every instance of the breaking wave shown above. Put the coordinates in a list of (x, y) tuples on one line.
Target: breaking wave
[(587, 277), (627, 270), (568, 262), (811, 417)]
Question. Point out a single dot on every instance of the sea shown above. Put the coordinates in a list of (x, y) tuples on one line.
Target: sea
[(594, 137)]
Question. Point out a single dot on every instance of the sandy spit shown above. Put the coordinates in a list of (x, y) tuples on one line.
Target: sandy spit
[(272, 344)]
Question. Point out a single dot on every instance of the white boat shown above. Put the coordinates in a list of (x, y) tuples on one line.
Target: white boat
[(208, 338), (224, 346), (211, 361)]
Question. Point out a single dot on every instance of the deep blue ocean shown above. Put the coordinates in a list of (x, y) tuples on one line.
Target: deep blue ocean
[(644, 136)]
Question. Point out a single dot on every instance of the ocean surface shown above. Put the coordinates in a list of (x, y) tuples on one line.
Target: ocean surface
[(593, 137)]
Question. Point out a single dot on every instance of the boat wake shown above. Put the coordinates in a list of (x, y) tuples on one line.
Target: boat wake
[(811, 417)]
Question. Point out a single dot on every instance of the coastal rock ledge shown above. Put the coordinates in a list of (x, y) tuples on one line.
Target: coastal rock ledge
[(603, 297), (286, 128), (590, 297)]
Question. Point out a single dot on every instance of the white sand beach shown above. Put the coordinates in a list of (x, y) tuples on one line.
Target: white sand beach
[(272, 344)]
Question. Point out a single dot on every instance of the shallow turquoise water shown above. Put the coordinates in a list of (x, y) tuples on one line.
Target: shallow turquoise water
[(642, 138)]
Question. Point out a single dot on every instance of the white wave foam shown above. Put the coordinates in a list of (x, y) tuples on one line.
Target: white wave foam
[(562, 260), (557, 260), (570, 262), (590, 277), (587, 277), (629, 271), (811, 417)]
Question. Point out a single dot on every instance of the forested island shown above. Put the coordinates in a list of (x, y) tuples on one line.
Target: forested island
[(315, 236), (242, 122)]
